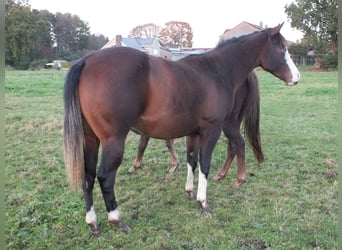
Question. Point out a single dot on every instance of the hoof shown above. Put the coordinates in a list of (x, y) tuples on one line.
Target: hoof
[(238, 184), (94, 229), (205, 209), (120, 226), (173, 168), (218, 177), (133, 170), (191, 195)]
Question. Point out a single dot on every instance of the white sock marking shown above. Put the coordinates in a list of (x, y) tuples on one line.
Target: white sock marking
[(189, 186), (202, 186), (294, 71), (114, 215), (91, 216)]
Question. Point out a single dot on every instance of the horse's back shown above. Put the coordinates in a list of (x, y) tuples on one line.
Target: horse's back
[(116, 64)]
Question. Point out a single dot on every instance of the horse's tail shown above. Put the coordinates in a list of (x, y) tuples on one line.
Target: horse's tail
[(74, 141), (252, 115)]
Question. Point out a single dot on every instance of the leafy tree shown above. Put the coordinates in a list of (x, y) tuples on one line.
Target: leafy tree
[(71, 34), (176, 34), (299, 49), (148, 30), (34, 37), (42, 25), (24, 30), (96, 42), (9, 4), (317, 19)]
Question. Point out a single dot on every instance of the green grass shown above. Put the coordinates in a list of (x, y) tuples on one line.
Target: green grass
[(288, 202)]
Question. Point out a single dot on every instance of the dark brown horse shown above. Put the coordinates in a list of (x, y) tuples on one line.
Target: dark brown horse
[(246, 108), (115, 90)]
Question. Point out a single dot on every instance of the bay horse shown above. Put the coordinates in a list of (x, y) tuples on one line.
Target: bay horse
[(246, 108), (115, 90)]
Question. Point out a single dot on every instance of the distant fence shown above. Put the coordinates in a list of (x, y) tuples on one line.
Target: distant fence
[(304, 60)]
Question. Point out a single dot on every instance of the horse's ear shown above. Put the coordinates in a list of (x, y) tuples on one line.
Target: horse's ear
[(276, 29)]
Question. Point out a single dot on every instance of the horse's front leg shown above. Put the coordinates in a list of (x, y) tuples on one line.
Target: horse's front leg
[(112, 154), (192, 158), (208, 140)]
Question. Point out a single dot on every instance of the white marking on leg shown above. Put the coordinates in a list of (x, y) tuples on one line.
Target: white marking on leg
[(294, 71), (202, 188), (91, 216), (189, 185), (114, 215)]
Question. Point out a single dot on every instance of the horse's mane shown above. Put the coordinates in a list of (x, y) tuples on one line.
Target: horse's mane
[(235, 39), (238, 39)]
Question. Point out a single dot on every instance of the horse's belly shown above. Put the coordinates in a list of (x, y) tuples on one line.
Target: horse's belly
[(165, 127)]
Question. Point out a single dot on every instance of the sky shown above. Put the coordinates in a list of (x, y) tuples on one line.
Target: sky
[(207, 18)]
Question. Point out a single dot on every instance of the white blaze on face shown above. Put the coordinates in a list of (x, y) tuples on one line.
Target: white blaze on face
[(189, 186), (91, 216), (114, 215), (294, 71), (202, 187)]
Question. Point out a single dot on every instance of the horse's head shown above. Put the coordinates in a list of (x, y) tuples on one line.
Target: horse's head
[(276, 58)]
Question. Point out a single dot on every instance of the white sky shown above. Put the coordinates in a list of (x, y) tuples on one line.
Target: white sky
[(208, 19)]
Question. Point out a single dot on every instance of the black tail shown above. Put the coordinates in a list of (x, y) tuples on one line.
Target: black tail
[(251, 117), (73, 129)]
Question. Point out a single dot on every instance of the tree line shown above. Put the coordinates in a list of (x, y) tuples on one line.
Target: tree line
[(35, 37)]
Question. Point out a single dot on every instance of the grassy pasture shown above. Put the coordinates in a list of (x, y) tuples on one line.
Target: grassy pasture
[(288, 202)]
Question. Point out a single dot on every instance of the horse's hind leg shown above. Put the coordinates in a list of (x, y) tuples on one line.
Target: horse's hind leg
[(174, 159), (236, 147), (112, 154), (239, 147), (240, 156), (227, 164), (140, 154), (90, 159)]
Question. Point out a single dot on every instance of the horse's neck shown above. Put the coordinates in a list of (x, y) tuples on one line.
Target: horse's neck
[(241, 58)]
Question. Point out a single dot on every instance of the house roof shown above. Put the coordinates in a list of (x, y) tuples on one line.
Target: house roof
[(132, 43), (146, 41), (240, 29), (136, 43)]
